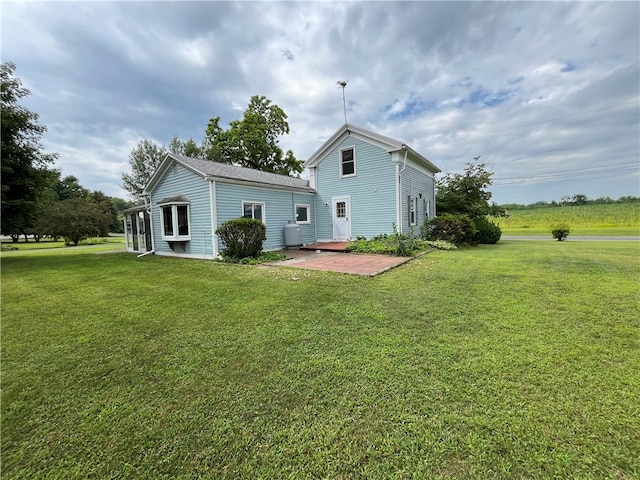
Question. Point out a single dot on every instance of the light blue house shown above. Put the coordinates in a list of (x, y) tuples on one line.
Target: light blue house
[(366, 182), (361, 183)]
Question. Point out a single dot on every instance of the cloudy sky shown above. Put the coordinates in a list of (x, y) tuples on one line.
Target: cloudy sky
[(548, 93)]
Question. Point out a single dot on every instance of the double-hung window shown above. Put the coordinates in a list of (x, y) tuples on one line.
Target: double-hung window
[(174, 221), (254, 210), (302, 214), (348, 162), (413, 207)]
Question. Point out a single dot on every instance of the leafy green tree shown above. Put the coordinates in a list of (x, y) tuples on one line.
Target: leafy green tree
[(74, 219), (465, 194), (117, 205), (69, 187), (105, 204), (144, 159), (253, 142), (24, 165), (189, 148)]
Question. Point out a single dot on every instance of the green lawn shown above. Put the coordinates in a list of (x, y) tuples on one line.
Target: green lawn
[(515, 360), (97, 243)]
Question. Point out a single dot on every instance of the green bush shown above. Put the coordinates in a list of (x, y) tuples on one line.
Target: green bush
[(398, 244), (242, 237), (456, 229), (487, 232), (560, 232)]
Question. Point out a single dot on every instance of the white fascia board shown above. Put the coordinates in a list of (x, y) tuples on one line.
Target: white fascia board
[(350, 130), (265, 186), (416, 159)]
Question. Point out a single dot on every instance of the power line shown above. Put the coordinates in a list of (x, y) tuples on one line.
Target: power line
[(552, 177), (583, 170), (545, 121)]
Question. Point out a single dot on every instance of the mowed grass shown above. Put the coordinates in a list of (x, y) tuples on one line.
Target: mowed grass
[(515, 360), (96, 243), (607, 219)]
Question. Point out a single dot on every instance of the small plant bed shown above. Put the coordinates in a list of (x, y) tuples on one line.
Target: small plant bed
[(396, 244), (263, 257)]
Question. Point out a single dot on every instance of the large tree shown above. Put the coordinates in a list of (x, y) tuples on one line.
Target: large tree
[(75, 219), (466, 193), (24, 164), (253, 141), (144, 159), (69, 187)]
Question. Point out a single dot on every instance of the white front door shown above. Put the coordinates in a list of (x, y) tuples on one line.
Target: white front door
[(341, 218)]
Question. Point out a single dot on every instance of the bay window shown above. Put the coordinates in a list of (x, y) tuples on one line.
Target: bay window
[(175, 221)]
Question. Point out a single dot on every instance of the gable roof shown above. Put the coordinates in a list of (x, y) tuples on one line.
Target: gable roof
[(210, 170), (387, 143)]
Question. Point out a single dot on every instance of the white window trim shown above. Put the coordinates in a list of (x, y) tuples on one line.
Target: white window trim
[(264, 209), (174, 218), (355, 171), (295, 212)]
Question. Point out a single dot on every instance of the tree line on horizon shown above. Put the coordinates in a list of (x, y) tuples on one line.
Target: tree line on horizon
[(571, 200)]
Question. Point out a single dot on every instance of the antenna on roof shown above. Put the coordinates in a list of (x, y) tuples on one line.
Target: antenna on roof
[(343, 83)]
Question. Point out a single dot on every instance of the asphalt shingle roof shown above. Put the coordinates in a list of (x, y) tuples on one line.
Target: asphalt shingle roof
[(209, 168)]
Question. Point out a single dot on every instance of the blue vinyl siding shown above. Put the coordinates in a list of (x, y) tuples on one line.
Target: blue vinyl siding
[(178, 180), (419, 185), (372, 190), (279, 209)]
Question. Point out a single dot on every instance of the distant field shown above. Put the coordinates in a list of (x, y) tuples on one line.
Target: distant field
[(614, 219)]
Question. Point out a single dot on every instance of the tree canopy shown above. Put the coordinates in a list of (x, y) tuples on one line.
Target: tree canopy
[(466, 193), (25, 175), (144, 159), (75, 219), (253, 141)]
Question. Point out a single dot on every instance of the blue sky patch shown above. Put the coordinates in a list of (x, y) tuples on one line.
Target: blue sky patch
[(489, 98), (413, 106)]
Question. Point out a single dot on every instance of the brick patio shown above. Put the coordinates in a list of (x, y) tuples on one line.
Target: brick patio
[(333, 261)]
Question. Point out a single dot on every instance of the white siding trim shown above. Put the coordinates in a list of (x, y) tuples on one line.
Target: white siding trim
[(214, 218)]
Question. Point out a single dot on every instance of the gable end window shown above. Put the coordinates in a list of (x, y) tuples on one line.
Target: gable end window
[(254, 210), (174, 219), (302, 214), (348, 162)]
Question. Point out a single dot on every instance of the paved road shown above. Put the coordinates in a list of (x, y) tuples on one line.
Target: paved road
[(632, 238)]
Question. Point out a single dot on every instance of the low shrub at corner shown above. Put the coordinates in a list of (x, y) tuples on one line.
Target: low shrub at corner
[(242, 238), (456, 229), (487, 232)]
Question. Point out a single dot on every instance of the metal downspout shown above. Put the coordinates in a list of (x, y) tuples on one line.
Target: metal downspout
[(403, 147)]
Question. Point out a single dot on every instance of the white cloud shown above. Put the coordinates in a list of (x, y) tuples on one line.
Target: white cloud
[(533, 87)]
